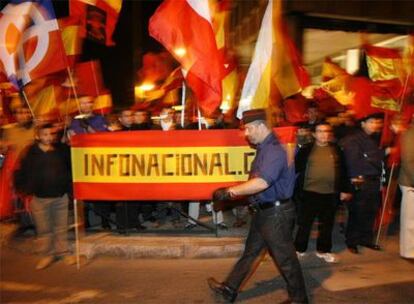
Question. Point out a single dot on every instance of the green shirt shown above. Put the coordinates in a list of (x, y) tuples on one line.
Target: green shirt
[(320, 170)]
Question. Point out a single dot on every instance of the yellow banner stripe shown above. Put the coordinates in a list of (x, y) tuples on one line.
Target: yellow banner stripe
[(161, 164)]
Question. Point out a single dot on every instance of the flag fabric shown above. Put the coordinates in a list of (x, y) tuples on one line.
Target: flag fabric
[(88, 78), (338, 89), (103, 103), (98, 18), (30, 41), (43, 103), (374, 96), (70, 107), (386, 94), (230, 82), (336, 82), (383, 63), (230, 89), (275, 66), (331, 70), (173, 81), (295, 109), (185, 29), (385, 69), (44, 96), (72, 42), (12, 25), (167, 91), (408, 78), (101, 170), (156, 67)]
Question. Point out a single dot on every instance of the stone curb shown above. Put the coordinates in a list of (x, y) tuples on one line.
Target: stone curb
[(156, 248)]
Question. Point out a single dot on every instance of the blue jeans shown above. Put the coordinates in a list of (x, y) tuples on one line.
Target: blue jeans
[(51, 220), (271, 229)]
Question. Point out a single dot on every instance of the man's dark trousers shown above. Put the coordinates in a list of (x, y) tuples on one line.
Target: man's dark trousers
[(271, 229), (316, 205), (362, 211)]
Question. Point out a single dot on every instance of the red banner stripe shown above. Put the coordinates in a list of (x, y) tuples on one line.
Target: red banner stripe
[(153, 192), (180, 138)]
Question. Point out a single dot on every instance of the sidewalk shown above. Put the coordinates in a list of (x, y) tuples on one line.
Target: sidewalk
[(167, 241), (367, 269)]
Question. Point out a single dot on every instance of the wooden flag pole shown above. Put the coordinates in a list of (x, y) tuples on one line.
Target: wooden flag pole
[(75, 208), (72, 84), (22, 92), (95, 83)]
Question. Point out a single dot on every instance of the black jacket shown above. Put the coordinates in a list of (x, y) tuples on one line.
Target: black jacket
[(342, 183), (44, 174)]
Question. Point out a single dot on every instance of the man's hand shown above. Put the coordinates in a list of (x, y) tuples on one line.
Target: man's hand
[(344, 196), (220, 196)]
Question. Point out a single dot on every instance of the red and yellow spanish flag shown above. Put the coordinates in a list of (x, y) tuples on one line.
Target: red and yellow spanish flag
[(103, 103), (336, 81), (157, 165), (230, 82), (383, 63), (72, 41)]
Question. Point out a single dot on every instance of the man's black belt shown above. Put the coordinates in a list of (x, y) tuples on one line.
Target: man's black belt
[(372, 177), (267, 205)]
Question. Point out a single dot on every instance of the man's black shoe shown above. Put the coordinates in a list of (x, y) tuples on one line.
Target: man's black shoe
[(106, 227), (140, 227), (353, 249), (372, 246), (228, 293)]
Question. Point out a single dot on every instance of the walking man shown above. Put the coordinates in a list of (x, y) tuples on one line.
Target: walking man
[(269, 189)]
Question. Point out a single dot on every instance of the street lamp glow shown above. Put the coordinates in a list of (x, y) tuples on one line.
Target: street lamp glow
[(145, 87), (225, 106), (142, 89), (180, 52), (177, 108)]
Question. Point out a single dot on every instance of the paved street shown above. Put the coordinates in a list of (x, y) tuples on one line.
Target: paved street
[(371, 277)]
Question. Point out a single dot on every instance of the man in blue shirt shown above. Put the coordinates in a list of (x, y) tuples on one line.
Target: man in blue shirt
[(87, 121), (269, 189)]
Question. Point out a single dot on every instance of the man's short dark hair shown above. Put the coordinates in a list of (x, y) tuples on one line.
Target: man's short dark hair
[(122, 110), (320, 123), (378, 115), (44, 127), (313, 105)]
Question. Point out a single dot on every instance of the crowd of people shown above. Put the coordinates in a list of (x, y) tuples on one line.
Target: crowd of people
[(338, 162)]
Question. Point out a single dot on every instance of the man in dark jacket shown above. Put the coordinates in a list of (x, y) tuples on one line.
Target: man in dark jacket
[(45, 173), (322, 181), (364, 161)]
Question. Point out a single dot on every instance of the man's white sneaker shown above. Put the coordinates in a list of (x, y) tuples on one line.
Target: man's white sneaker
[(45, 262), (328, 257), (300, 254)]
